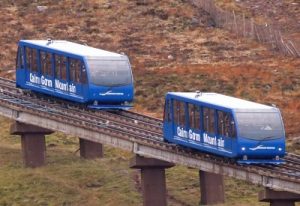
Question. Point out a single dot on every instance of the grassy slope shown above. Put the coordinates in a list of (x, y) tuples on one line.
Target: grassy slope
[(67, 179), (172, 47), (70, 180)]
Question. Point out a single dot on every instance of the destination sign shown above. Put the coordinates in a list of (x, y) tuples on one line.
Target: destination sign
[(181, 132), (42, 80)]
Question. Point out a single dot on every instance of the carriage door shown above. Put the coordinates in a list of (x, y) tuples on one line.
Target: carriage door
[(226, 130), (32, 72), (180, 127), (75, 84)]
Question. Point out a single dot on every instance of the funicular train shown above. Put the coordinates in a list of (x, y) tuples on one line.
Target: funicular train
[(241, 130), (97, 78), (226, 126)]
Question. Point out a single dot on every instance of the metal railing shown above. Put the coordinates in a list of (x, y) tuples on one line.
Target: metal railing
[(246, 27)]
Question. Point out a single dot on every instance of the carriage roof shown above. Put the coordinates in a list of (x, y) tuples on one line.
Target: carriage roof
[(224, 101), (75, 48)]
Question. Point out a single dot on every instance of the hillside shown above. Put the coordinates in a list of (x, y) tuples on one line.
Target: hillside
[(168, 41), (284, 15), (172, 47)]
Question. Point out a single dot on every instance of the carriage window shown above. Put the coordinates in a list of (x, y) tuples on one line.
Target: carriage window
[(194, 116), (209, 120), (260, 125), (109, 73), (221, 123), (34, 60), (230, 126), (175, 111), (28, 57), (64, 68), (20, 58), (226, 126), (83, 74), (57, 66), (49, 64), (31, 59), (61, 67), (167, 117), (45, 59), (179, 115), (197, 118), (72, 66), (77, 70)]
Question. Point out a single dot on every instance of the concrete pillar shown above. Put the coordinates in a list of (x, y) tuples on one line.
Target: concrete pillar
[(278, 198), (89, 149), (211, 188), (33, 143), (153, 179)]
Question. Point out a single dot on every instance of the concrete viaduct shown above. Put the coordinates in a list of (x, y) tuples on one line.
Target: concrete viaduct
[(152, 158)]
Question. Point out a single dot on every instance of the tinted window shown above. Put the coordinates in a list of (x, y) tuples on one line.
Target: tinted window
[(209, 120), (260, 126), (194, 116), (57, 66), (78, 67), (179, 115), (176, 111), (109, 73), (31, 59), (34, 60), (64, 68), (226, 125), (83, 74), (61, 67), (28, 57), (167, 117), (20, 58), (46, 65), (75, 70), (72, 67)]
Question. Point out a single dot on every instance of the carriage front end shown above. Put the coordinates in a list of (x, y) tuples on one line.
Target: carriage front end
[(261, 136), (111, 83)]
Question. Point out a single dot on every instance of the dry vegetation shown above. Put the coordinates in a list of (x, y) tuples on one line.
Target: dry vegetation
[(165, 41), (282, 14), (172, 47)]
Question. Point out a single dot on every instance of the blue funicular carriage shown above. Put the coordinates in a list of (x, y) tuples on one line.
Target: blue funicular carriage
[(95, 77), (246, 131)]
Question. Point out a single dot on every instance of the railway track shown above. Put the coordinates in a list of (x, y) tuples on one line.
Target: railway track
[(122, 119), (130, 126), (128, 116)]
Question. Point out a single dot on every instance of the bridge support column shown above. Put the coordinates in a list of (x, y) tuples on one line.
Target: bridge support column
[(278, 198), (211, 188), (89, 149), (33, 143), (153, 179)]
